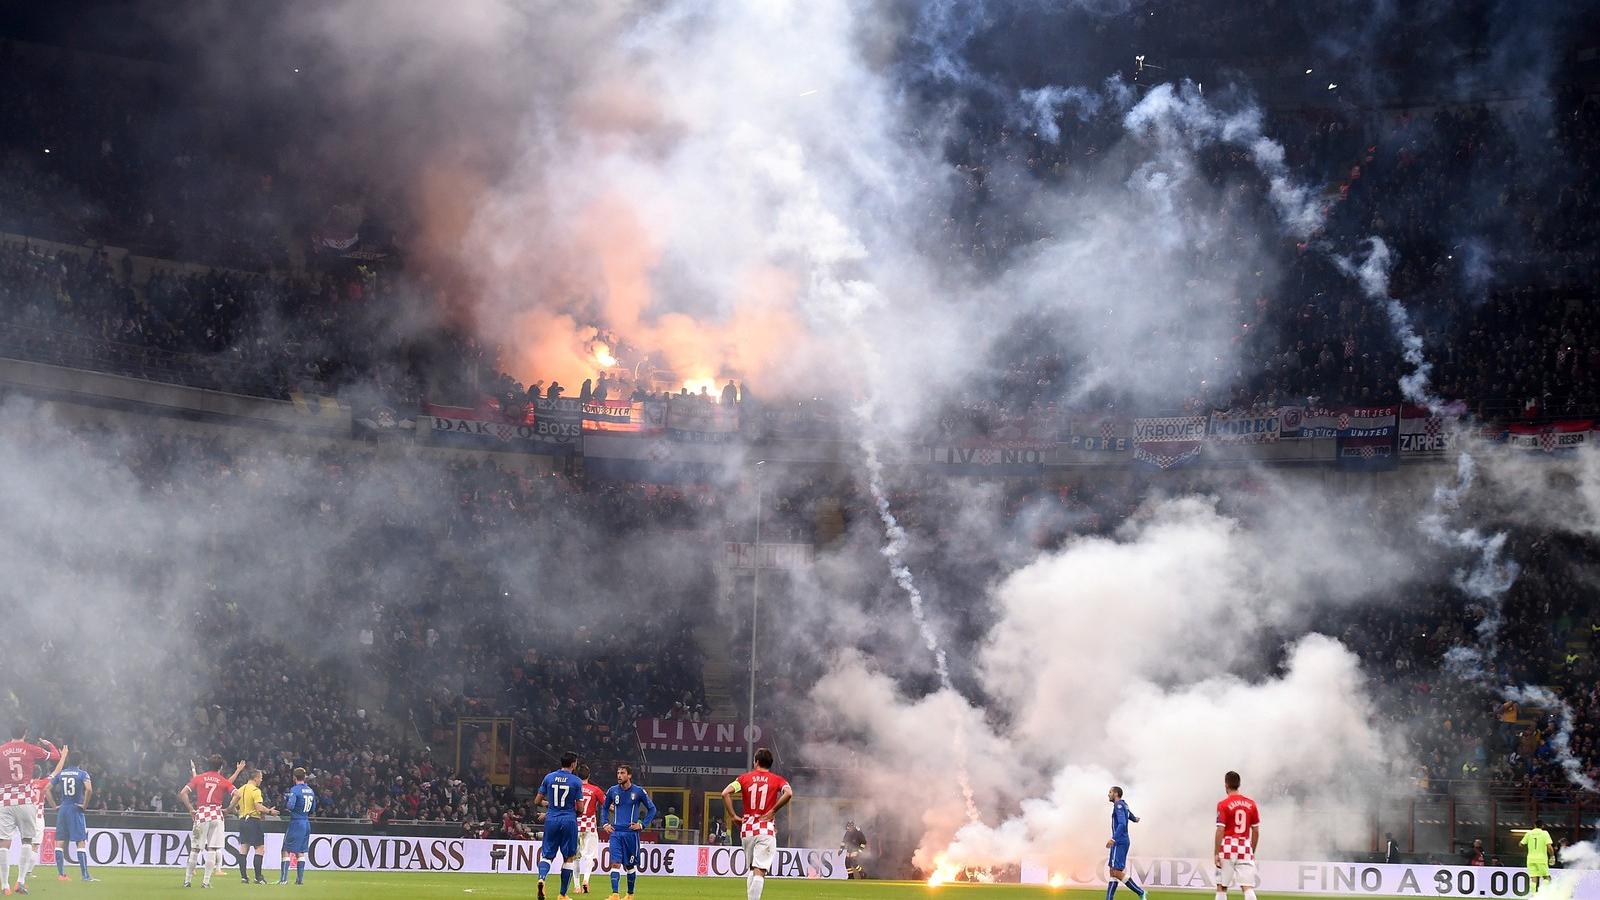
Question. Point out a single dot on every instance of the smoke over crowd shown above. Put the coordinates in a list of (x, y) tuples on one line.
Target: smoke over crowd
[(879, 209)]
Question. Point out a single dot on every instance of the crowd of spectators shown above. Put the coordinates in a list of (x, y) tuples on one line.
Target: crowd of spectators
[(445, 577)]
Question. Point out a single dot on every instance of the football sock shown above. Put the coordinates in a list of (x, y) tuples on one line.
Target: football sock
[(1249, 893), (300, 872), (633, 876), (1133, 885), (616, 881), (283, 871), (544, 869), (566, 877), (61, 861), (1111, 889), (757, 882), (258, 864), (83, 861)]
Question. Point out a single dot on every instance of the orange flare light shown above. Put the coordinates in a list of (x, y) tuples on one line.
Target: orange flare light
[(944, 871), (602, 355)]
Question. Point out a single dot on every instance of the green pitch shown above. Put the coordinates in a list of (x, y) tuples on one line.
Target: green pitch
[(138, 884)]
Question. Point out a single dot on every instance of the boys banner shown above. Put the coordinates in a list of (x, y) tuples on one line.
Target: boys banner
[(1168, 441), (1369, 437), (144, 848)]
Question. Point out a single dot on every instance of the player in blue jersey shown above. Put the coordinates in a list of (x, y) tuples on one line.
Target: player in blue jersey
[(559, 794), (72, 831), (301, 801), (627, 811), (1121, 815)]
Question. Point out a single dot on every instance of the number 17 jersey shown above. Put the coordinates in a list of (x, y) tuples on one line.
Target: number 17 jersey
[(561, 789)]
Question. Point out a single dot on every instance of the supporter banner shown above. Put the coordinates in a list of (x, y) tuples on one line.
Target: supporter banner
[(1105, 435), (635, 457), (737, 555), (1551, 437), (540, 436), (691, 418), (1168, 442), (380, 421), (1369, 437), (1302, 423), (1336, 878), (1424, 434), (591, 415), (679, 736), (140, 848), (1245, 426), (987, 460)]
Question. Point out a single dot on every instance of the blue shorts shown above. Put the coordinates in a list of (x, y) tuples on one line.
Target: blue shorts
[(1118, 857), (70, 825), (625, 849), (297, 837), (560, 836)]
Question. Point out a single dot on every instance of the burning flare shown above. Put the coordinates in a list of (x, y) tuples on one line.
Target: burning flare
[(602, 355), (944, 871)]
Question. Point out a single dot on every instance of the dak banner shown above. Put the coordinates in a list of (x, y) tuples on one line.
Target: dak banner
[(1337, 878), (141, 848), (1168, 442)]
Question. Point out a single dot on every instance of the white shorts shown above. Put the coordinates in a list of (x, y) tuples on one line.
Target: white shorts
[(38, 824), (208, 835), (761, 851), (589, 850), (18, 820), (1239, 873)]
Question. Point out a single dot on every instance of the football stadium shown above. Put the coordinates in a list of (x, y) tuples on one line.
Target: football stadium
[(773, 449)]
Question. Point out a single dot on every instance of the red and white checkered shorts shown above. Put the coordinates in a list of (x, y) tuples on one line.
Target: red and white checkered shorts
[(207, 813), (1234, 847), (588, 823), (753, 826), (16, 795)]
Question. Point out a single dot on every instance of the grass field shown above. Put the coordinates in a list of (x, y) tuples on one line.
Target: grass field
[(143, 883)]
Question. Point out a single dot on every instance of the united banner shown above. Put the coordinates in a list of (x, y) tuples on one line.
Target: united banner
[(1245, 426), (1369, 437), (1168, 442), (1550, 437), (1425, 433)]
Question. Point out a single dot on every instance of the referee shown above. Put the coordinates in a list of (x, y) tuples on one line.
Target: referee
[(251, 835)]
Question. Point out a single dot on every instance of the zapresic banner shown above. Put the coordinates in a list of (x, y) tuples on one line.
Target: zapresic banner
[(139, 848), (1338, 878)]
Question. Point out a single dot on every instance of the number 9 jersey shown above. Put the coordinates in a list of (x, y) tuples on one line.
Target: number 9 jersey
[(1236, 816)]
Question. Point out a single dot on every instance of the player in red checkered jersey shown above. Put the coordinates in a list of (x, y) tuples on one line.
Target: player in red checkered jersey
[(588, 828), (30, 849), (1238, 834), (764, 792), (206, 798), (17, 761)]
